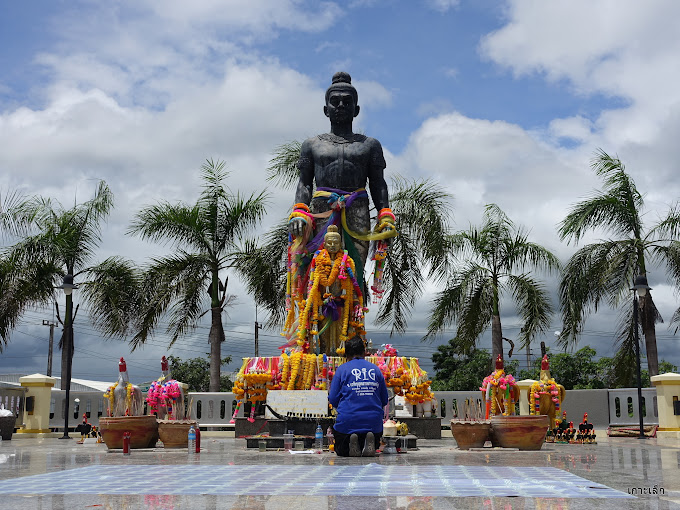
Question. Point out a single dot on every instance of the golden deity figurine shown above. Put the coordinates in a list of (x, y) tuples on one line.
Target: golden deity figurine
[(334, 308)]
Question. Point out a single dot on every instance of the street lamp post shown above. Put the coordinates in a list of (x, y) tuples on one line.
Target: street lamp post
[(640, 288), (68, 288)]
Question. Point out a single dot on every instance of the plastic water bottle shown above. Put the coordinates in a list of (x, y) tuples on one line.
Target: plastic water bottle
[(318, 438), (192, 440)]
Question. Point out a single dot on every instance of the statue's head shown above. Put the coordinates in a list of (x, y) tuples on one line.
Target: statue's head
[(499, 362), (545, 364), (332, 241), (122, 367), (164, 364), (341, 99)]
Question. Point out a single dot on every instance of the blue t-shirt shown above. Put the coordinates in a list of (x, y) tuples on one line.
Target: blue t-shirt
[(359, 393)]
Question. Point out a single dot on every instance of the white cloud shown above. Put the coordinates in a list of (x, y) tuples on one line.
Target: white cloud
[(576, 128), (622, 49), (442, 5), (482, 162), (141, 97)]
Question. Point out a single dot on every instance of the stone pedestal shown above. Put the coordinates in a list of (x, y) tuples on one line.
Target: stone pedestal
[(276, 427), (424, 428), (524, 387), (668, 403)]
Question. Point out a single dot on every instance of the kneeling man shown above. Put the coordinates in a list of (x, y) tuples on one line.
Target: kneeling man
[(359, 394)]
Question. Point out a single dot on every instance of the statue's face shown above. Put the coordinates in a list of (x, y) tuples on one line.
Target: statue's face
[(340, 107), (332, 243)]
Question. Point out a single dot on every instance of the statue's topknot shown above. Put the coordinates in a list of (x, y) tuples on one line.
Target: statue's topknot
[(342, 81), (342, 76)]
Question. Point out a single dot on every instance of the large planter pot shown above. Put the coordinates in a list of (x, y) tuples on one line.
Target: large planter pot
[(143, 431), (175, 433), (470, 434), (7, 427), (523, 432)]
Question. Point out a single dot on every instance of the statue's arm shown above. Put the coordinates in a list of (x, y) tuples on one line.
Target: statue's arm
[(376, 177), (303, 194)]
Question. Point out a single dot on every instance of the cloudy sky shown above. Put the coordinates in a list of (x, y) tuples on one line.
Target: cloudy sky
[(499, 101)]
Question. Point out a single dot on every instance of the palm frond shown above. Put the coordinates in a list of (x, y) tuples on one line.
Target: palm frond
[(423, 214), (177, 224), (403, 283), (465, 299), (111, 293), (263, 268), (191, 299), (166, 281), (237, 217), (625, 360), (533, 306), (669, 226), (616, 209), (595, 272), (15, 217), (282, 169), (22, 286)]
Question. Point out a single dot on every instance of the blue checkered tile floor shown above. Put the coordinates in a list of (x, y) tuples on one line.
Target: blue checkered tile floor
[(367, 480)]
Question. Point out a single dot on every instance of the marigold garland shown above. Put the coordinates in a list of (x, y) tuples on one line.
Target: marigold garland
[(128, 398), (540, 388)]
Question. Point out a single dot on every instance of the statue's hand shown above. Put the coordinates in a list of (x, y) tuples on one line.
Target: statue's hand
[(296, 226)]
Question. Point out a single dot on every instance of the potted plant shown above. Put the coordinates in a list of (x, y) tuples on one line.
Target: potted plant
[(7, 423)]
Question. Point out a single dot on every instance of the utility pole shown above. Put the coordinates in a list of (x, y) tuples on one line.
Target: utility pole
[(258, 327), (49, 354)]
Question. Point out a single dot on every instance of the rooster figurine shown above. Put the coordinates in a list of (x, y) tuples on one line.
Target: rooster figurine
[(125, 398), (499, 391), (166, 395), (546, 396)]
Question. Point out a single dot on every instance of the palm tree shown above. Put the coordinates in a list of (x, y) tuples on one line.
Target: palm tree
[(55, 242), (606, 269), (422, 210), (205, 239), (494, 260)]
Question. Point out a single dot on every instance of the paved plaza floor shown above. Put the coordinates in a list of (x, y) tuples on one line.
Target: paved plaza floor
[(623, 473)]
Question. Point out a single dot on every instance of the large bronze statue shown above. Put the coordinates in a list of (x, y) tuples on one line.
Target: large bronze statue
[(340, 163), (334, 169)]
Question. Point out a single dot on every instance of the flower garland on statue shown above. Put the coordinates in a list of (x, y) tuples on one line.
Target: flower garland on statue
[(324, 273), (128, 398), (497, 382), (548, 388), (154, 395), (163, 393)]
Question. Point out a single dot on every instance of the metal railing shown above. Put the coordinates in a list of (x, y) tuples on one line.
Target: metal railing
[(623, 407), (90, 403), (213, 409), (14, 399)]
